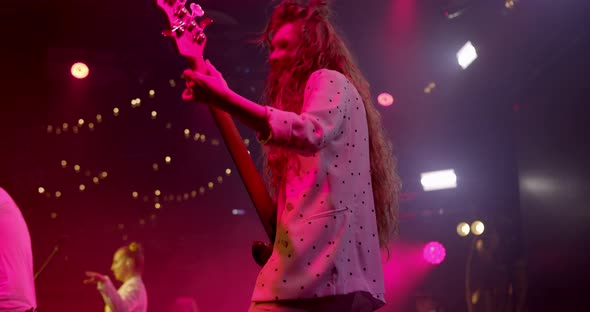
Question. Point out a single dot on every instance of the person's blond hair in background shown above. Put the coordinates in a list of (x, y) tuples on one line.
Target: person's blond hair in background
[(127, 268)]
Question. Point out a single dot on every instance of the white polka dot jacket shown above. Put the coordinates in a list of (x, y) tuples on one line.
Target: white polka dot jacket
[(326, 242)]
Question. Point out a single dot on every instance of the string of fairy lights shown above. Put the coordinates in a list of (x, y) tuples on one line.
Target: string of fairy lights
[(156, 198)]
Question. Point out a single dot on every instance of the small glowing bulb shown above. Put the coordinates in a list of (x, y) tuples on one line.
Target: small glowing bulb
[(201, 190), (64, 163), (172, 83), (157, 205), (65, 126), (95, 180), (134, 194), (157, 192), (116, 111), (187, 133), (80, 122), (210, 185), (168, 159), (49, 129), (194, 194), (91, 126), (154, 114), (247, 142), (77, 168), (152, 93), (41, 190), (155, 167), (98, 118), (82, 187), (53, 215), (219, 179), (103, 174), (57, 194)]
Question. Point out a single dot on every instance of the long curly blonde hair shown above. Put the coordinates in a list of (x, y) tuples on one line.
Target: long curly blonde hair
[(321, 47)]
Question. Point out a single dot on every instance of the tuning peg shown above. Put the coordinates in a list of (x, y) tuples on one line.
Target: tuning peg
[(196, 10), (205, 22)]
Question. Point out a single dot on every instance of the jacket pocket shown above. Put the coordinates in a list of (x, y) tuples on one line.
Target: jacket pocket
[(328, 213)]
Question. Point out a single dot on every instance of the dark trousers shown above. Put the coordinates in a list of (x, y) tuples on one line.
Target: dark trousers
[(355, 302)]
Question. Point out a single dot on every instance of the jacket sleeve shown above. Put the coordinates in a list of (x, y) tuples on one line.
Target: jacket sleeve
[(322, 114), (120, 302)]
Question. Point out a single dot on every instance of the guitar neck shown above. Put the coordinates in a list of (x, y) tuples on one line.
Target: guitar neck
[(247, 170), (190, 39)]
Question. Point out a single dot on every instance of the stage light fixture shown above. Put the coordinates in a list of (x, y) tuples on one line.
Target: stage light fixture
[(80, 70), (438, 180), (466, 55), (434, 253), (385, 99), (463, 229), (477, 227)]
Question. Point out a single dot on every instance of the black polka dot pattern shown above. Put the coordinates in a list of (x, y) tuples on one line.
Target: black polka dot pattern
[(326, 242)]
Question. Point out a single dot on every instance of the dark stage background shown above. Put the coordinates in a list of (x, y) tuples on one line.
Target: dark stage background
[(513, 126)]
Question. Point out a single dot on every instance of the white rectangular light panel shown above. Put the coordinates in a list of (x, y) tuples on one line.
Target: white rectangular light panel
[(466, 55), (438, 180)]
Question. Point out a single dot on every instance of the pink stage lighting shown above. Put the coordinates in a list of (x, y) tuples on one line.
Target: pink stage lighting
[(80, 70), (434, 253), (385, 99)]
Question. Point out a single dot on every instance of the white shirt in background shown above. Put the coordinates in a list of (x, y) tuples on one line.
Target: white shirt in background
[(130, 297), (17, 286)]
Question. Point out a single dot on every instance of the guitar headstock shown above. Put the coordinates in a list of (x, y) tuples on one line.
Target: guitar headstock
[(188, 33)]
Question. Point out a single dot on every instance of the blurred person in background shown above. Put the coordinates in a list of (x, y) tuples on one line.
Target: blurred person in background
[(128, 263)]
